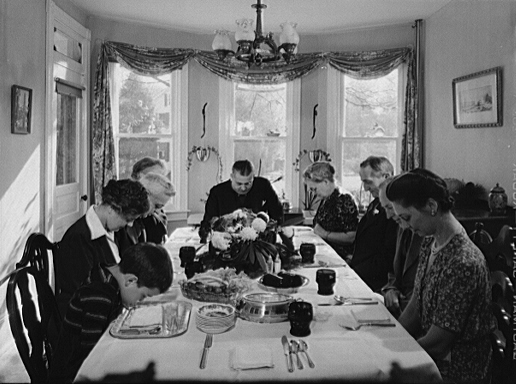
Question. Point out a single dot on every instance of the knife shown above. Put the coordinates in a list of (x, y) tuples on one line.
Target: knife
[(348, 303), (207, 345), (286, 351)]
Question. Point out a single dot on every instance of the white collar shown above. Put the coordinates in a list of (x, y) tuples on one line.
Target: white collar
[(96, 228)]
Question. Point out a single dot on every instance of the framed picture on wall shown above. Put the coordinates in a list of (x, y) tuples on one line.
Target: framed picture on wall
[(478, 99), (21, 109)]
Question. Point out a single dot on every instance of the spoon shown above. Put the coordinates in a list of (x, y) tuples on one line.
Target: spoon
[(358, 326), (295, 349), (303, 346)]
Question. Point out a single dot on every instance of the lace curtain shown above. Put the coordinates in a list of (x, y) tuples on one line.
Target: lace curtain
[(160, 61)]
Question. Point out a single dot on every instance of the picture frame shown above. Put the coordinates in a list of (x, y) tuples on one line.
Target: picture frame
[(478, 99), (21, 110)]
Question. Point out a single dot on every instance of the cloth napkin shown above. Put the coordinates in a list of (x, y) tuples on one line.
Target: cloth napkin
[(251, 357), (145, 316), (370, 314)]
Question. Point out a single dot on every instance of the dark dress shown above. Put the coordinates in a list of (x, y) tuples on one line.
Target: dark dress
[(223, 200), (338, 213), (374, 246)]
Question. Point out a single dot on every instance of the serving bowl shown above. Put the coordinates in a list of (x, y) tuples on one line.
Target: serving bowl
[(267, 307)]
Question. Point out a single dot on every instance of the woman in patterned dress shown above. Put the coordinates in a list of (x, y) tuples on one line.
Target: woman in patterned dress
[(336, 219), (449, 313)]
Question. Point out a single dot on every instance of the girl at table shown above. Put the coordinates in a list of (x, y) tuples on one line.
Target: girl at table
[(336, 219), (449, 311), (91, 240)]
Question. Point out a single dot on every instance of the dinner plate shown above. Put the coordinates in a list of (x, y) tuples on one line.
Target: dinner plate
[(213, 311)]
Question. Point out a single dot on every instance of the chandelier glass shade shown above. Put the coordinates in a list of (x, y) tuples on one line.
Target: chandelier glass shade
[(254, 47)]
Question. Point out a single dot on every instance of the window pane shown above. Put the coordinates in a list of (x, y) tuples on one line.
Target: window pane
[(133, 149), (268, 157), (260, 110), (371, 106), (356, 151), (66, 150), (144, 103)]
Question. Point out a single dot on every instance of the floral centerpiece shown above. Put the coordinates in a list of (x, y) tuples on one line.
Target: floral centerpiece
[(246, 241)]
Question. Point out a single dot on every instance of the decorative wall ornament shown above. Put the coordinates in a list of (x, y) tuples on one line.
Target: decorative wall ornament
[(202, 154), (313, 154)]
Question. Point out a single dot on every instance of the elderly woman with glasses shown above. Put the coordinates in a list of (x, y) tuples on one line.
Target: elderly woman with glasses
[(449, 311), (336, 219)]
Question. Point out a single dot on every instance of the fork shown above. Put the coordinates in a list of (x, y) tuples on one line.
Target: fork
[(358, 326), (207, 344)]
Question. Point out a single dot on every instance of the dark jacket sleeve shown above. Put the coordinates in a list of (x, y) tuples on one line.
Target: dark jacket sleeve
[(211, 209), (272, 204)]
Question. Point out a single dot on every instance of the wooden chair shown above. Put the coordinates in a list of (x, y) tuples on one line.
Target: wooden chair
[(500, 252), (34, 319), (501, 343), (36, 253)]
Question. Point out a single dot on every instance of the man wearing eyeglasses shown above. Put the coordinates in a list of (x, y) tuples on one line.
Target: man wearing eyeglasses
[(242, 190)]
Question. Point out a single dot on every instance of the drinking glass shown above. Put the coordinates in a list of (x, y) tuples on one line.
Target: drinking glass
[(186, 254), (307, 251), (300, 315), (192, 268), (325, 280)]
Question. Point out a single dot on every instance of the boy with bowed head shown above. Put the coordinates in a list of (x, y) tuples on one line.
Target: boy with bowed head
[(91, 240), (449, 313), (145, 270), (336, 218)]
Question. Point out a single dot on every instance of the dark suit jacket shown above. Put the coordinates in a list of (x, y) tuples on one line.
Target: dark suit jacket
[(223, 200), (374, 247), (77, 254), (405, 265)]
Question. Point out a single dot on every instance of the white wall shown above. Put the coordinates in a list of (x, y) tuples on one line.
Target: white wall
[(464, 38)]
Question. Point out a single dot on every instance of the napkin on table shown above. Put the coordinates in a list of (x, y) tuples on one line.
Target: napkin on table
[(370, 314), (145, 316), (251, 357)]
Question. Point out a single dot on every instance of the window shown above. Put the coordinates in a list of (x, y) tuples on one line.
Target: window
[(257, 123), (148, 112), (368, 122)]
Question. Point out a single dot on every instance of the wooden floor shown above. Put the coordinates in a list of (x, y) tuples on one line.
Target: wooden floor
[(11, 366)]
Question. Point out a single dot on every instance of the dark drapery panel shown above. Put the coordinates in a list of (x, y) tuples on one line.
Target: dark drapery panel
[(159, 61)]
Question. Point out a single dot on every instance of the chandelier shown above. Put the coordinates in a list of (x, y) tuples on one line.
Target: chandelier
[(254, 47)]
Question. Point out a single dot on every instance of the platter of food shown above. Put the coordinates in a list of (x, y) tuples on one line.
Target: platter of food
[(283, 282)]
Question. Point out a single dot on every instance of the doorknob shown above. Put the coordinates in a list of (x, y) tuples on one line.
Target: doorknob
[(84, 197)]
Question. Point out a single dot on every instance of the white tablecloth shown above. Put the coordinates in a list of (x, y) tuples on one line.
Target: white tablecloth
[(338, 353)]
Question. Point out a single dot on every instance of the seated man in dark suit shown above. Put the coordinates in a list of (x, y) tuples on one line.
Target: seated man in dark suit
[(400, 284), (242, 190), (375, 240)]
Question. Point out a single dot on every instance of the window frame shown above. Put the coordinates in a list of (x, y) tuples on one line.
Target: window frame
[(336, 119), (292, 137), (178, 138)]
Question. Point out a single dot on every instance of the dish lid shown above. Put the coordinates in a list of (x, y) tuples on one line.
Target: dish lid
[(267, 297)]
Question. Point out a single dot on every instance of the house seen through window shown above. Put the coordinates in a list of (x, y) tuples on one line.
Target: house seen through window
[(145, 122), (369, 123)]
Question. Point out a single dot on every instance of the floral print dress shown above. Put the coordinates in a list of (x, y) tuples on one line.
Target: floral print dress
[(338, 213), (454, 294)]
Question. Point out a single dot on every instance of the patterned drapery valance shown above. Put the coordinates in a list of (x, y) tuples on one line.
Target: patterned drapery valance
[(159, 61)]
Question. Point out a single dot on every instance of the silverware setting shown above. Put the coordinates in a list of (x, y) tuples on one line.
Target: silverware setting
[(340, 300), (358, 326), (294, 347), (207, 344)]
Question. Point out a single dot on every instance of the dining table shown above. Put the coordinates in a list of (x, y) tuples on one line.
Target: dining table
[(366, 354)]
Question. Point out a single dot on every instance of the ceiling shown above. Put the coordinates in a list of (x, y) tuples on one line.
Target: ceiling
[(312, 16)]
